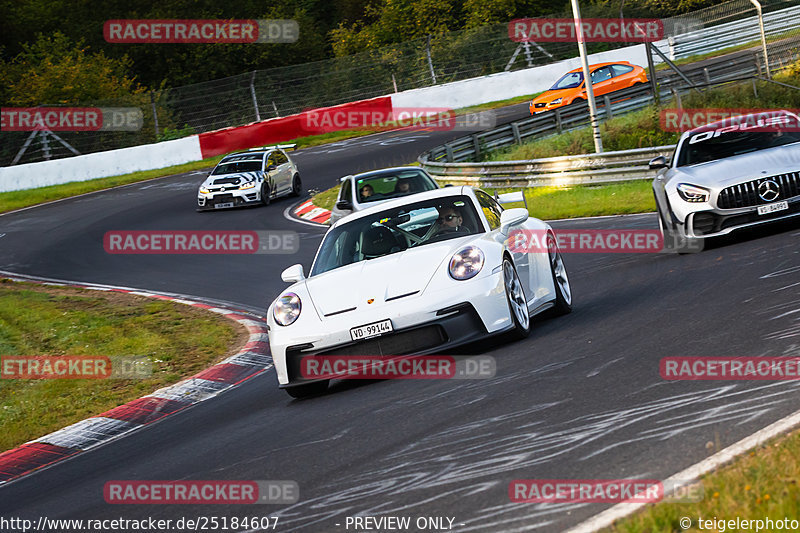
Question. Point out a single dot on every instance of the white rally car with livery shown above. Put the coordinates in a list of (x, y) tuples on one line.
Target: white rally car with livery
[(250, 178)]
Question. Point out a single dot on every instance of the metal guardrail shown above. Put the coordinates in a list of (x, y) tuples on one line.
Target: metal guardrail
[(575, 116), (730, 34), (608, 167), (454, 163)]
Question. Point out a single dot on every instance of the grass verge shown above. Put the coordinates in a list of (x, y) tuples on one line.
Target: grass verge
[(179, 341), (549, 203), (762, 484)]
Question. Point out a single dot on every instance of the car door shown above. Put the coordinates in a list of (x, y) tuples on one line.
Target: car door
[(284, 171), (522, 261), (603, 80)]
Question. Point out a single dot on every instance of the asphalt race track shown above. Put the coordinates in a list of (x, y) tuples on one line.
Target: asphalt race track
[(580, 398)]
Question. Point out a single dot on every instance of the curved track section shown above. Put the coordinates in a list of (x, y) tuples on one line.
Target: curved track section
[(580, 398)]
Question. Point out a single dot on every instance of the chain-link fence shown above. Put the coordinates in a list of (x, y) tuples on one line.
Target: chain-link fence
[(448, 57)]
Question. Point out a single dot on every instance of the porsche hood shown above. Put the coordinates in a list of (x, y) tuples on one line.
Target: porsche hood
[(384, 279)]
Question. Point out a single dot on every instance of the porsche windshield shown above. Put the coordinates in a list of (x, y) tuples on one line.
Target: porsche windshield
[(704, 147), (396, 230)]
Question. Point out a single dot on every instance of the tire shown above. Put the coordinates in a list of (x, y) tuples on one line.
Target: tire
[(563, 290), (517, 304), (308, 390), (297, 185), (265, 192), (673, 240)]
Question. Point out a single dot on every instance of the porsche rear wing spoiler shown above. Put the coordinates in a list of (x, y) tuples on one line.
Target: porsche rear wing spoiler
[(511, 197)]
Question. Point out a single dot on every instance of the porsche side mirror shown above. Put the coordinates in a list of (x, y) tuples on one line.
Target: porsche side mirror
[(658, 162), (512, 217), (293, 274), (344, 205)]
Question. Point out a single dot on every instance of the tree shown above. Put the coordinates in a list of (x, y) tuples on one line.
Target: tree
[(53, 70)]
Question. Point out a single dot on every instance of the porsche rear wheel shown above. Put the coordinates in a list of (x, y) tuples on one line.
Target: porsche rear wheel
[(517, 304), (309, 389), (563, 301)]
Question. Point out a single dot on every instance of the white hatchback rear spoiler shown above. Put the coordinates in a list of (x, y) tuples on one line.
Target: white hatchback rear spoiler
[(292, 146)]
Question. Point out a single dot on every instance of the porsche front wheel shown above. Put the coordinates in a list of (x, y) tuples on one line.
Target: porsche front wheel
[(517, 305)]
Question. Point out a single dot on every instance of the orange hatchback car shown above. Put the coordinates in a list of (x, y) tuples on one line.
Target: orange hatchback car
[(606, 78)]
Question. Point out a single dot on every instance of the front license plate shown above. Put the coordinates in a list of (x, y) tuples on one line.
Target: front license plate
[(371, 330), (220, 206), (771, 208)]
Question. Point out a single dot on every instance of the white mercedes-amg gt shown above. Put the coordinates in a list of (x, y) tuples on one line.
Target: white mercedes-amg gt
[(728, 175), (420, 274)]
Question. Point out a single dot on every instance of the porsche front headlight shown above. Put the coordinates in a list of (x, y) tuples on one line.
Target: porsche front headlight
[(692, 193), (466, 263), (287, 309)]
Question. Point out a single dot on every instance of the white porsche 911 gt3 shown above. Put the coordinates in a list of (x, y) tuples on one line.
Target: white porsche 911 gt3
[(417, 275)]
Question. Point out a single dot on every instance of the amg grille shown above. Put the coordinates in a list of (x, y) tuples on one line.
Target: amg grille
[(746, 194)]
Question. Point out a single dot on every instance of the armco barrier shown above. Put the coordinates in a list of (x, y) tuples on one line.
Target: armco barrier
[(607, 167), (100, 164), (276, 130)]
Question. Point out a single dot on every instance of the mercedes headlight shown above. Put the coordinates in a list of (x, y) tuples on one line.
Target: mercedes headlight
[(287, 309), (692, 193), (466, 263), (203, 190), (556, 101), (247, 185)]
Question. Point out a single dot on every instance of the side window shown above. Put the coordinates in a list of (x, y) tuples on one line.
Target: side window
[(271, 159), (344, 193), (619, 70), (491, 209), (601, 75), (280, 158)]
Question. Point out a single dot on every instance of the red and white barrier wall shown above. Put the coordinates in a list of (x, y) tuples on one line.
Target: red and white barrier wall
[(453, 95)]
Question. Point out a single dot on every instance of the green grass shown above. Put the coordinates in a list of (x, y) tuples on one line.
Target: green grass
[(638, 129), (762, 484), (179, 341), (550, 203), (326, 199)]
